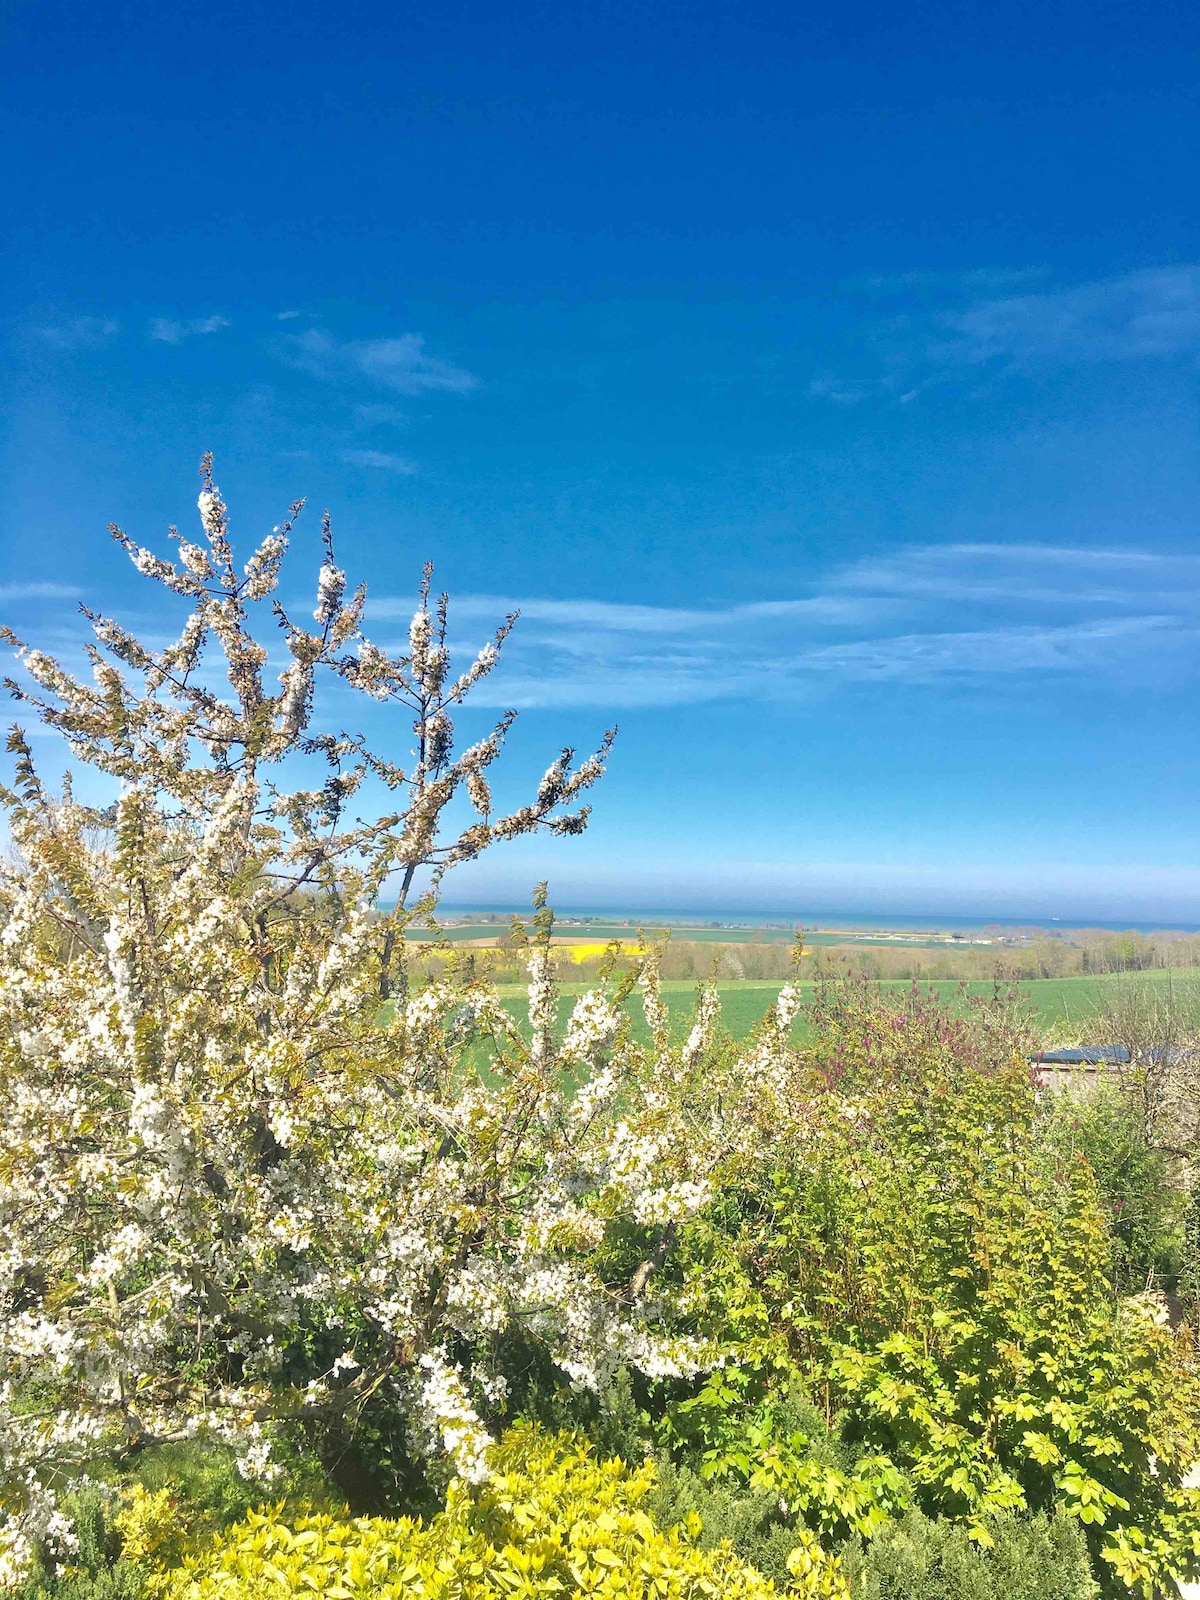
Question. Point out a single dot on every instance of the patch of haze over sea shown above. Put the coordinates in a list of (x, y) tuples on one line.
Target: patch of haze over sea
[(859, 922)]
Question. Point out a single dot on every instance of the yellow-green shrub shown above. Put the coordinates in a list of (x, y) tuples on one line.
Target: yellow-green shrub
[(148, 1522), (552, 1520)]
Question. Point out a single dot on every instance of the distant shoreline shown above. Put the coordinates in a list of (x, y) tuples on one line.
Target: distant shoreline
[(817, 921)]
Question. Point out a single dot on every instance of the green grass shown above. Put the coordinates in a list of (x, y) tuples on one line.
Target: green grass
[(743, 1003), (1062, 1007)]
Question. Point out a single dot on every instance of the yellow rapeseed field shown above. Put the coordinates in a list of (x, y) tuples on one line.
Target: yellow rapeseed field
[(580, 953)]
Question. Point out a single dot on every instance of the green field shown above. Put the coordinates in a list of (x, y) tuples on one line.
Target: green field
[(1061, 1007)]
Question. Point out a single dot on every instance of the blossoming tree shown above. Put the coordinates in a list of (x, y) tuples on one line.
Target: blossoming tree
[(248, 1176)]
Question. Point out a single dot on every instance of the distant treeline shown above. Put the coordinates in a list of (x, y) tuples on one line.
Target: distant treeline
[(1082, 952)]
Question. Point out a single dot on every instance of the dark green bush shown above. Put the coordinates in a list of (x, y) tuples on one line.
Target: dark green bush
[(1143, 1207), (918, 1558), (1189, 1264), (750, 1519)]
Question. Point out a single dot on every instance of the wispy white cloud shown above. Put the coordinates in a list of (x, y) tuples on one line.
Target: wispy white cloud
[(566, 673), (853, 391), (1152, 314), (402, 363), (978, 653), (78, 333), (1155, 312), (376, 414), (172, 330), (611, 617), (379, 459), (1030, 574), (964, 613), (39, 591)]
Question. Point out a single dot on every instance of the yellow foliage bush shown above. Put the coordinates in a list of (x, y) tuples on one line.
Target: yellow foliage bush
[(552, 1520), (147, 1521)]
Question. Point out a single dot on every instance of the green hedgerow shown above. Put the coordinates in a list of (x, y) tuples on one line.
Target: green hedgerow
[(917, 1558)]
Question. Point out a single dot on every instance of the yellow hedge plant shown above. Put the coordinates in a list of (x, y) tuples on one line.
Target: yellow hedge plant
[(551, 1521)]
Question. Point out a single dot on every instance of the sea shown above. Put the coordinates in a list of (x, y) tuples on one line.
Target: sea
[(850, 922)]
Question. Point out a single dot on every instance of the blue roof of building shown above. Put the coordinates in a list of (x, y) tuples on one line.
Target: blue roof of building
[(1109, 1055), (1084, 1055)]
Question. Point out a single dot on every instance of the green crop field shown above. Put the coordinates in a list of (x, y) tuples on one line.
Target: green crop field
[(1062, 1007)]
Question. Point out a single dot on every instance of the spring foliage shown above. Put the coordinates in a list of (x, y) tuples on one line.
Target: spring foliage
[(939, 1273)]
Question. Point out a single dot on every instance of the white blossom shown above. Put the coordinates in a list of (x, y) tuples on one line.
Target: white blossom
[(447, 1412), (331, 586), (212, 511), (708, 1009)]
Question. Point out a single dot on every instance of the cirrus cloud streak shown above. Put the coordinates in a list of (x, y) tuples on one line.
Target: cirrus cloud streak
[(968, 614)]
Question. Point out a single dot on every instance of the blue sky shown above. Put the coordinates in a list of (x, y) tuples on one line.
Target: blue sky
[(820, 382)]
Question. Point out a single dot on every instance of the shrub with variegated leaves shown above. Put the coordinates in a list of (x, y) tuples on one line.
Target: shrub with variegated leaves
[(551, 1521)]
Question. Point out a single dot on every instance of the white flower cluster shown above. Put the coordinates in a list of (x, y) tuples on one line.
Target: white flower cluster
[(331, 586), (787, 1006), (592, 1028), (447, 1412), (708, 1009), (543, 1001), (40, 1522), (212, 511)]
